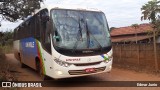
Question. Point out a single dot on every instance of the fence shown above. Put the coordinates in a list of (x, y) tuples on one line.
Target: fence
[(137, 54)]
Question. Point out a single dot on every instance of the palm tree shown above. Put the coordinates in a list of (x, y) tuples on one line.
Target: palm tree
[(135, 26), (149, 12)]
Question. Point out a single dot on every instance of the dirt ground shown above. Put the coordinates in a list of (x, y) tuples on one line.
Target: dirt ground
[(28, 74)]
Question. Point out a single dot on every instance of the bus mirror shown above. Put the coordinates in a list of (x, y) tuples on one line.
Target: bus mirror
[(57, 38)]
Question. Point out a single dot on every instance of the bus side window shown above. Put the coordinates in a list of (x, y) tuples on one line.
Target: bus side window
[(45, 28), (37, 26)]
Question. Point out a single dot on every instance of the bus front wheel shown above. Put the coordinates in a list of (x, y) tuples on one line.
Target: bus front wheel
[(40, 71)]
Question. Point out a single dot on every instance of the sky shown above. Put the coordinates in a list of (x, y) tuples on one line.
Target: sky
[(119, 13)]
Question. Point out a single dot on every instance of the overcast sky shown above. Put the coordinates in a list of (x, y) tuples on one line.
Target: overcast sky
[(119, 13)]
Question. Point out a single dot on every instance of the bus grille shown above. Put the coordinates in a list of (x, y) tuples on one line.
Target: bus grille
[(88, 64), (80, 72)]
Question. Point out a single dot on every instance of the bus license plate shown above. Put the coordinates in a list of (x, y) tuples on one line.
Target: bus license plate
[(89, 70)]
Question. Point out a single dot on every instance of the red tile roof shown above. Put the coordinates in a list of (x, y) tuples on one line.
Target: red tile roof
[(130, 38), (131, 30)]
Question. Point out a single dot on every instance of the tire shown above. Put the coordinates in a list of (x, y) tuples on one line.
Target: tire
[(40, 71)]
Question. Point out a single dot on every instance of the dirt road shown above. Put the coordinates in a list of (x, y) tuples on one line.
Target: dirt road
[(27, 74)]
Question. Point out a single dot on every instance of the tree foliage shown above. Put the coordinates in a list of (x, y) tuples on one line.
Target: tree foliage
[(6, 38), (150, 11), (12, 10), (135, 26)]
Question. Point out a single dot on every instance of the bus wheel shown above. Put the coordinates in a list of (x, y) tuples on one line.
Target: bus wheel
[(40, 71)]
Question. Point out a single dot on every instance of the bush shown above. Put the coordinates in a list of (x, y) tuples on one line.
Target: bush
[(6, 49), (2, 55)]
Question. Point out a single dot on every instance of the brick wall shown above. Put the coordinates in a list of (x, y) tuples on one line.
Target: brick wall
[(138, 54)]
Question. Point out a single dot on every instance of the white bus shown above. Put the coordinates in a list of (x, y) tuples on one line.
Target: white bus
[(64, 42)]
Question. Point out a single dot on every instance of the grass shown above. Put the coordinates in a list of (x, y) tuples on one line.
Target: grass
[(6, 49)]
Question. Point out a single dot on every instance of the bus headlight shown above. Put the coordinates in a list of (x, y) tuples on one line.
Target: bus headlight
[(62, 63)]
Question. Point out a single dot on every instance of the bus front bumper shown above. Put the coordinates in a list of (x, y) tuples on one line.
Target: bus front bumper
[(77, 71)]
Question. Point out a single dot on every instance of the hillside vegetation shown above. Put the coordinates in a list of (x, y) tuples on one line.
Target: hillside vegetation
[(6, 40)]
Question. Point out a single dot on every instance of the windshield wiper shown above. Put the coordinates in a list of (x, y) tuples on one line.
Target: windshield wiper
[(79, 33), (80, 29), (88, 37)]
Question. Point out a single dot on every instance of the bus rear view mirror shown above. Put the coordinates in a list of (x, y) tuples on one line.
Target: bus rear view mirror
[(57, 38)]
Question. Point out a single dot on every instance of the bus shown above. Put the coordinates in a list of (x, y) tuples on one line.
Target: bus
[(63, 42)]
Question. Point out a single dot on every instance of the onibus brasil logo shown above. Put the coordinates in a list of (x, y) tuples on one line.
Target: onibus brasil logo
[(21, 84)]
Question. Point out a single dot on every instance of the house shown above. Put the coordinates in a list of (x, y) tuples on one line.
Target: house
[(125, 35)]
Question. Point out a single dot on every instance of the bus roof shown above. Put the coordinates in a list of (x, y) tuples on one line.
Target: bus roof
[(72, 7), (58, 6)]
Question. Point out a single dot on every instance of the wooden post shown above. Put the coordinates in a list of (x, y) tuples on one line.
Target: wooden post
[(138, 52), (120, 53), (155, 50)]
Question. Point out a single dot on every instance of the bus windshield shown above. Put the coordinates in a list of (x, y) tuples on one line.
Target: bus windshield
[(83, 31)]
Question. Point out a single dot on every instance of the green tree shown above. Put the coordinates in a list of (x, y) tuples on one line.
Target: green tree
[(135, 26), (149, 12), (6, 38), (12, 10)]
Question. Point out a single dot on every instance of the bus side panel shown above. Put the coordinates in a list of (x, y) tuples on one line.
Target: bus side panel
[(29, 51), (45, 60), (16, 49)]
